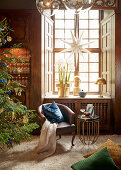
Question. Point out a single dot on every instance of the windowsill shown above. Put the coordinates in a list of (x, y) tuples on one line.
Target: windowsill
[(76, 97)]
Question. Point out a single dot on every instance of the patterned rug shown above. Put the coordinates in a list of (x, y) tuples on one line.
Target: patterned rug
[(23, 156)]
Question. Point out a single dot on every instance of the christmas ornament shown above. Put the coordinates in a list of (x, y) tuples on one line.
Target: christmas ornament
[(10, 140), (19, 93), (25, 119), (0, 29), (25, 108), (11, 109), (16, 91), (1, 110), (3, 29), (9, 38), (19, 71), (8, 92), (3, 81), (0, 40), (8, 98), (4, 64), (4, 41), (13, 115)]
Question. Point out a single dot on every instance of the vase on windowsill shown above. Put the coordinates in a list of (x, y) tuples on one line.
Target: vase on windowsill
[(63, 89), (64, 77)]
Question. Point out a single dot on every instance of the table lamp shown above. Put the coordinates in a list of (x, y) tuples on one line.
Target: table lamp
[(101, 81)]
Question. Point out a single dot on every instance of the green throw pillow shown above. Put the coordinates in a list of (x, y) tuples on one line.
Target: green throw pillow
[(100, 160)]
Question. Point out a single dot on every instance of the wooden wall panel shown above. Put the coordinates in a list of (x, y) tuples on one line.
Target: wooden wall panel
[(117, 115), (21, 28), (27, 30)]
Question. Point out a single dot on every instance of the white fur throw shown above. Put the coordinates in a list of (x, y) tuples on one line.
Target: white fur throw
[(47, 142)]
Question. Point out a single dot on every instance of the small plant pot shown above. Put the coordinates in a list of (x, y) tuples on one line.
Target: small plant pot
[(63, 90)]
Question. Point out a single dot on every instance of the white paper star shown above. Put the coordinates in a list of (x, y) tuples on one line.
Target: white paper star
[(76, 46)]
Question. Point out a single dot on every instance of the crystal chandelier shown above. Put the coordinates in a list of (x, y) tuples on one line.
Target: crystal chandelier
[(76, 5)]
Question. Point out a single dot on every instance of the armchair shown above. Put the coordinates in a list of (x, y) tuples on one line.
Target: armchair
[(65, 127)]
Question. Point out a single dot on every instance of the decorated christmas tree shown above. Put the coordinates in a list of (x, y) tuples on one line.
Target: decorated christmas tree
[(16, 121)]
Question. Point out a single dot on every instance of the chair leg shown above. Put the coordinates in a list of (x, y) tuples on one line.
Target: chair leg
[(73, 137), (59, 137)]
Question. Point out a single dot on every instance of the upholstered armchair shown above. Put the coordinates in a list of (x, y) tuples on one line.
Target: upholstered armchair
[(66, 127)]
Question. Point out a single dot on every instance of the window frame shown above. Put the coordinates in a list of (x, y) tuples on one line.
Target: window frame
[(93, 50)]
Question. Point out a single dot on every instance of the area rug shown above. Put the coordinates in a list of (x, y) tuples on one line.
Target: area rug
[(23, 156)]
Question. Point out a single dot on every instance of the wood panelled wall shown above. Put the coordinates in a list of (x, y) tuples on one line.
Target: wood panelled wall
[(27, 30), (117, 113)]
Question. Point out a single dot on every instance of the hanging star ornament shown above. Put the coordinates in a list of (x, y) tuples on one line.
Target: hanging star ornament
[(76, 46)]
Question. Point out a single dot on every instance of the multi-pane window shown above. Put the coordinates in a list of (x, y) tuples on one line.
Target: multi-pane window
[(87, 25)]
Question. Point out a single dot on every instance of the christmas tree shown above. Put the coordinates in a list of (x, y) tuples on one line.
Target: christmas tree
[(16, 121)]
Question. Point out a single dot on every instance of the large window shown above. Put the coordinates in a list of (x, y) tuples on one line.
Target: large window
[(88, 65)]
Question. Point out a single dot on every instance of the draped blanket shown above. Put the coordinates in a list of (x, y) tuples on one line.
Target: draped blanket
[(47, 143)]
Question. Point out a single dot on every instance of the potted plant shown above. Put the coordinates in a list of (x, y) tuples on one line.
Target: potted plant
[(64, 77)]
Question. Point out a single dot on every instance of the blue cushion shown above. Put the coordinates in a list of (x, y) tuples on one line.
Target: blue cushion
[(53, 113)]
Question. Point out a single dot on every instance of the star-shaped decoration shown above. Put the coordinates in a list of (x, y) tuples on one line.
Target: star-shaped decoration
[(76, 46)]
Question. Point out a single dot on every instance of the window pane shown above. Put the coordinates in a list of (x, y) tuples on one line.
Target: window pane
[(83, 57), (68, 33), (69, 14), (69, 24), (93, 14), (56, 77), (83, 15), (84, 77), (59, 34), (69, 57), (94, 57), (84, 86), (93, 24), (93, 67), (59, 43), (59, 58), (59, 24), (83, 67), (95, 44), (72, 77), (72, 86), (93, 87), (67, 40), (85, 41), (59, 14), (83, 24), (93, 34), (84, 32), (93, 77)]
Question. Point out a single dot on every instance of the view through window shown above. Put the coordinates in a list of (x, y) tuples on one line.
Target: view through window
[(86, 23)]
